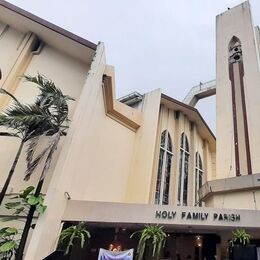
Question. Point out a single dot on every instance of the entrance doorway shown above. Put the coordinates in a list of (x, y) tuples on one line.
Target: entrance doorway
[(179, 246), (182, 246), (109, 238)]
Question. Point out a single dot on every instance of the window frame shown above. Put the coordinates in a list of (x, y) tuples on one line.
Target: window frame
[(183, 171), (164, 169), (199, 172)]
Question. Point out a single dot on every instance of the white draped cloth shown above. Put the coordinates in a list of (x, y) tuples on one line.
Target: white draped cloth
[(115, 255)]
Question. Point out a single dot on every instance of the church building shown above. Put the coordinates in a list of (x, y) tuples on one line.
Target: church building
[(144, 158)]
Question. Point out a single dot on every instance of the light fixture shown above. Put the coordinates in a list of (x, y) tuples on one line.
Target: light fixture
[(67, 195), (198, 241)]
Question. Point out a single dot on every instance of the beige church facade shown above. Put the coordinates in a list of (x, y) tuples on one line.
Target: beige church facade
[(143, 158)]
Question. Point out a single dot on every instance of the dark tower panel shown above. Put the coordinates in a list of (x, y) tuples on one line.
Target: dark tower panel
[(240, 126)]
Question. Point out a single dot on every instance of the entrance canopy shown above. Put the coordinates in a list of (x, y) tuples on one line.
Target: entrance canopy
[(171, 217)]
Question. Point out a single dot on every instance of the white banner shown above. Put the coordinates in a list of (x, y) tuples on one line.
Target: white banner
[(119, 255), (258, 253)]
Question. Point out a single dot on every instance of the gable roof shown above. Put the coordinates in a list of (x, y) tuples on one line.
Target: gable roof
[(50, 33), (194, 116)]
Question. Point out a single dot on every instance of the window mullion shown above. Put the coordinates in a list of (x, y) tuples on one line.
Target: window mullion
[(182, 176), (163, 167)]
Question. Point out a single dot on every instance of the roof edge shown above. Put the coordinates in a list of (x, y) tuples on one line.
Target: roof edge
[(190, 108), (48, 25)]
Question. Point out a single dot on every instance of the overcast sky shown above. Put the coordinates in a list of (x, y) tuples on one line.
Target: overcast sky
[(167, 44)]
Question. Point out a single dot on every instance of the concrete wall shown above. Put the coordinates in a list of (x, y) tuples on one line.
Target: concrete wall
[(235, 200), (12, 43), (140, 177), (20, 55), (101, 160), (48, 225), (49, 62)]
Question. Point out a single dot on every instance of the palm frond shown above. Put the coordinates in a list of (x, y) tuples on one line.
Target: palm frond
[(5, 92), (28, 120), (22, 116), (47, 87), (8, 134), (53, 148), (47, 116), (51, 98), (31, 147), (33, 163)]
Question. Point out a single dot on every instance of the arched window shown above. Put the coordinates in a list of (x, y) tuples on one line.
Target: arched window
[(184, 170), (235, 50), (164, 170), (198, 178)]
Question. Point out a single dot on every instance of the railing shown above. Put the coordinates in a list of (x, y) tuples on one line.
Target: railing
[(200, 91)]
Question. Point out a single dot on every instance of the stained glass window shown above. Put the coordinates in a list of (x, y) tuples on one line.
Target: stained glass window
[(164, 169), (198, 178), (183, 171)]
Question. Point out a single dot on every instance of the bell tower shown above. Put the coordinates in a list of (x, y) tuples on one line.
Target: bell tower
[(238, 101), (238, 93)]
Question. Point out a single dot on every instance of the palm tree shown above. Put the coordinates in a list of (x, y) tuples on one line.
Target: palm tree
[(54, 103), (26, 122)]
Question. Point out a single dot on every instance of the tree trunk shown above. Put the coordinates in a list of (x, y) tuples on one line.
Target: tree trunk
[(28, 223), (11, 172)]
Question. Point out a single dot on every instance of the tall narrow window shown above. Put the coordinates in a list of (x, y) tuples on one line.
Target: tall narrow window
[(198, 178), (164, 170), (184, 170)]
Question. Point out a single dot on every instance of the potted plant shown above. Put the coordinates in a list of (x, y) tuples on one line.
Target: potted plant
[(73, 234), (76, 234), (240, 246), (152, 241)]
